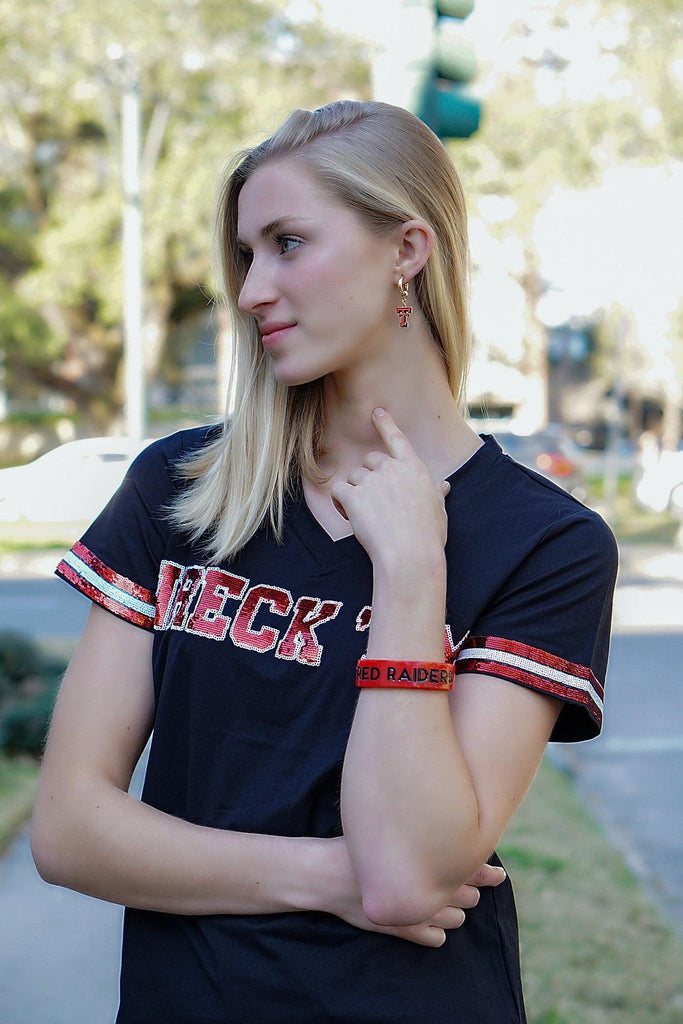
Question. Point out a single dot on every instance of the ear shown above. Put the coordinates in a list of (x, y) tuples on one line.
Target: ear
[(415, 243)]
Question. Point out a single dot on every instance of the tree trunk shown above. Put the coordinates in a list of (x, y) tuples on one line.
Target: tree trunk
[(534, 412)]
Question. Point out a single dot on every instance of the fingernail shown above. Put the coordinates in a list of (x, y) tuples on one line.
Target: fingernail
[(379, 411)]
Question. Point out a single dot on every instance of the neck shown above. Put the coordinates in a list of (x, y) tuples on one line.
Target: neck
[(412, 385)]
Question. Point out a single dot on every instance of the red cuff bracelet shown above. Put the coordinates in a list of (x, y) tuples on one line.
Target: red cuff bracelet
[(408, 675)]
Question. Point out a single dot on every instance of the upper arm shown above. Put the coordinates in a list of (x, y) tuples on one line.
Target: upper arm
[(502, 729), (533, 664), (105, 708)]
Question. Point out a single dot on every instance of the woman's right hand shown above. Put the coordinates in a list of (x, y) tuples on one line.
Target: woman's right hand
[(343, 899)]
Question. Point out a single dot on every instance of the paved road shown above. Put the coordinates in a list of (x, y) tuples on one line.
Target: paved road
[(632, 776), (632, 779), (42, 608), (59, 950)]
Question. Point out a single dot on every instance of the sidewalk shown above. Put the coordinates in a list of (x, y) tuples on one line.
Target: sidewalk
[(650, 588), (29, 565), (59, 950)]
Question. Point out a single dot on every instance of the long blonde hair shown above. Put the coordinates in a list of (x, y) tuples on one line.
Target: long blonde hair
[(385, 164)]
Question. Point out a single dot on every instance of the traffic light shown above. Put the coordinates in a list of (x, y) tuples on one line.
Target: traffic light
[(443, 102)]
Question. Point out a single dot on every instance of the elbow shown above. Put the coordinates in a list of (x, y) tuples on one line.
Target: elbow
[(391, 902), (398, 899), (45, 856), (54, 848), (48, 854)]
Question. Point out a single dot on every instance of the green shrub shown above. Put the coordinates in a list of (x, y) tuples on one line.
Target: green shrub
[(20, 658), (28, 685), (7, 685), (24, 725)]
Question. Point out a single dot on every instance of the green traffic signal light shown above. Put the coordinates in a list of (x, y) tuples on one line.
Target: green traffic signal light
[(450, 112), (454, 8), (445, 105)]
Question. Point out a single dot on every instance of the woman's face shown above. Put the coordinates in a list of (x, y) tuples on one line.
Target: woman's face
[(320, 284)]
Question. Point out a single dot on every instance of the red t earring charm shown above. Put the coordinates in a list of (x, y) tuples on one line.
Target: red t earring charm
[(405, 310)]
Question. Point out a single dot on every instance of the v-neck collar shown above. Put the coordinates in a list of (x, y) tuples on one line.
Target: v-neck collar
[(326, 551), (329, 553)]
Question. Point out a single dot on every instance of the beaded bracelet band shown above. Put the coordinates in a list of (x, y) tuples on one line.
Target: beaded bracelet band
[(408, 675)]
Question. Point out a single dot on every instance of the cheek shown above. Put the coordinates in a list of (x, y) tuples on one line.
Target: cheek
[(365, 295)]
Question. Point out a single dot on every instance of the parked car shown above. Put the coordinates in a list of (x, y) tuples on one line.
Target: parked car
[(549, 452), (70, 483)]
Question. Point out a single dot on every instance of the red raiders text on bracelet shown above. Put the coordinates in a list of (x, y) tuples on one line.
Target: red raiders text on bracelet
[(417, 675)]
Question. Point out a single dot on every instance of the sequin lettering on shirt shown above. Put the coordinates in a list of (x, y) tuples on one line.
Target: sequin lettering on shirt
[(207, 618), (300, 642), (264, 639)]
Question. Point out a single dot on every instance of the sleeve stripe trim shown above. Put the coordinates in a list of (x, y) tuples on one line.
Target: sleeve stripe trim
[(535, 668), (89, 559), (96, 594), (82, 568)]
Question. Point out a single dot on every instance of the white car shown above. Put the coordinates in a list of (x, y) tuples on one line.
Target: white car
[(660, 486), (71, 483)]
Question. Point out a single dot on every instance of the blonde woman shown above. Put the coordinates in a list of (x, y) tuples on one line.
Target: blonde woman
[(284, 599)]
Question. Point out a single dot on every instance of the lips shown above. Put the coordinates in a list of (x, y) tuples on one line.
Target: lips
[(273, 333)]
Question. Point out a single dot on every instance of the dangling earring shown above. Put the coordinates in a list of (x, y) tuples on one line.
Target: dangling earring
[(405, 310)]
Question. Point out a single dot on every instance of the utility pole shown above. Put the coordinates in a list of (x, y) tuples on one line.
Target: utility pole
[(611, 462), (134, 402)]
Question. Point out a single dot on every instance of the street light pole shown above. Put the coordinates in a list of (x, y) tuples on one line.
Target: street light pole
[(611, 463), (134, 401)]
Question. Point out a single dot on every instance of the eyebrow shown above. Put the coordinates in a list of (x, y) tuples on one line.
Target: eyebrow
[(274, 226)]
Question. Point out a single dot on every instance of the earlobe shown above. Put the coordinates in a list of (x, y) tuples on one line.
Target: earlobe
[(415, 245)]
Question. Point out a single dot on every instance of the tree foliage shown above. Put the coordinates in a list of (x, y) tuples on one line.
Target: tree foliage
[(596, 84), (223, 71)]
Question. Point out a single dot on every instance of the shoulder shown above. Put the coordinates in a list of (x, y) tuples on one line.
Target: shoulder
[(157, 471), (173, 449), (519, 510), (553, 521), (516, 539)]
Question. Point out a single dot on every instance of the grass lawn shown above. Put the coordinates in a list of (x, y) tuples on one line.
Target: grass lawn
[(632, 524), (29, 537), (594, 948), (18, 779)]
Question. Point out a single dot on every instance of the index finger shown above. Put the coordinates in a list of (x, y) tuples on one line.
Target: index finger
[(396, 442), (488, 874)]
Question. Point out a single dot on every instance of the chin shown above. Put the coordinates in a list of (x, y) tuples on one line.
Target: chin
[(292, 376)]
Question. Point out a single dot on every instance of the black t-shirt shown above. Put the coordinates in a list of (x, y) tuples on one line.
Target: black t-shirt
[(254, 673)]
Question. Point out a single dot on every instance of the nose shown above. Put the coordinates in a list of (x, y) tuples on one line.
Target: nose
[(257, 289)]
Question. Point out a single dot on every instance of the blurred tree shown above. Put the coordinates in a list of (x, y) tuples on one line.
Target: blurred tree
[(586, 85), (223, 71)]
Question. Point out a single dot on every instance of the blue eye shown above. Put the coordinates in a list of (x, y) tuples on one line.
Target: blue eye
[(287, 243)]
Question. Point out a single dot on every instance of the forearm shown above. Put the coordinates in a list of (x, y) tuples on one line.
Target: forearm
[(104, 842), (408, 804)]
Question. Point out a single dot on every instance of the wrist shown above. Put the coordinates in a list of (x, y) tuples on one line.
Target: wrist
[(422, 568), (408, 615), (324, 866)]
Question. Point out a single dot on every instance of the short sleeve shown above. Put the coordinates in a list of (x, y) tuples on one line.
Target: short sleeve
[(116, 561), (548, 626)]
